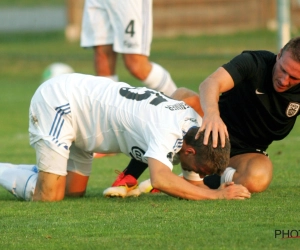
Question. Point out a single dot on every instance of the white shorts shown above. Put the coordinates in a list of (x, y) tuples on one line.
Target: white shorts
[(48, 160), (127, 24), (53, 125), (51, 134)]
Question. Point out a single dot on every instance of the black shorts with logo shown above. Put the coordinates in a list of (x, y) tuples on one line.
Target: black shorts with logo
[(240, 147)]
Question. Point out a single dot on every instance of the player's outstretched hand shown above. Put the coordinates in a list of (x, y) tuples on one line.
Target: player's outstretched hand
[(213, 123), (226, 184), (231, 191)]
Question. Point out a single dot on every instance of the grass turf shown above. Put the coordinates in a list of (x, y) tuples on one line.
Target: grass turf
[(150, 221)]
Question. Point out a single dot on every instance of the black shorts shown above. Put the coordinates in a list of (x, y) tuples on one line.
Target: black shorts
[(240, 147)]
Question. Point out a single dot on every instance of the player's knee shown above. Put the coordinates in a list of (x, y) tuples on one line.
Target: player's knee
[(257, 179), (76, 183), (75, 194), (258, 186), (49, 187), (49, 196)]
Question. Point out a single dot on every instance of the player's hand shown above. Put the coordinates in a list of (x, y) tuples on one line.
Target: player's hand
[(226, 184), (231, 191), (215, 125)]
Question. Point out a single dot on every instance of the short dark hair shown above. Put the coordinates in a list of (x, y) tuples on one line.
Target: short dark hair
[(293, 46), (216, 159)]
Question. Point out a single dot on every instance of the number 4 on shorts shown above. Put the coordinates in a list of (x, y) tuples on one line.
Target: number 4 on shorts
[(130, 28)]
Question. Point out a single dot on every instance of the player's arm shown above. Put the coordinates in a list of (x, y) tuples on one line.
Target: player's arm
[(163, 179), (197, 183), (210, 89)]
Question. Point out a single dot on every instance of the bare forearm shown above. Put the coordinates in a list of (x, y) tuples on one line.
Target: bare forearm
[(197, 183), (163, 179), (200, 193), (210, 89), (176, 186), (209, 96)]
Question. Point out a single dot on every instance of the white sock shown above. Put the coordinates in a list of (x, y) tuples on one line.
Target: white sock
[(20, 180), (227, 175), (159, 79), (23, 166), (113, 77)]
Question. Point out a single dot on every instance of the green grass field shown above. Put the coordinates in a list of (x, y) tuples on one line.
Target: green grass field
[(150, 221), (31, 3)]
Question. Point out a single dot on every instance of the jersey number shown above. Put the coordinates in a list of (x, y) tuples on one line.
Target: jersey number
[(130, 28), (125, 92)]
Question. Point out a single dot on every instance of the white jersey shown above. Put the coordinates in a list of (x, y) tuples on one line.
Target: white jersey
[(97, 114)]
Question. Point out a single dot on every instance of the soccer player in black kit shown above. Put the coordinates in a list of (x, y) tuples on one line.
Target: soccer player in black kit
[(254, 99), (259, 104)]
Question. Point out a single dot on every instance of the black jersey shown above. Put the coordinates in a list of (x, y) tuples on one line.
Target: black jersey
[(253, 111)]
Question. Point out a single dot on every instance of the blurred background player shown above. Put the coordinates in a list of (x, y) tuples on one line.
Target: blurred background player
[(125, 27)]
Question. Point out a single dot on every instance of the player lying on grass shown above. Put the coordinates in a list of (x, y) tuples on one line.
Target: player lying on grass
[(73, 115)]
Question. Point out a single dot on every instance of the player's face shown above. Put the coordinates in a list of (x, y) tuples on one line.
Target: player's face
[(188, 164), (204, 171), (286, 72)]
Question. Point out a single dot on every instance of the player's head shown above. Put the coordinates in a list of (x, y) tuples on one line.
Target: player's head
[(286, 72), (293, 46), (204, 159)]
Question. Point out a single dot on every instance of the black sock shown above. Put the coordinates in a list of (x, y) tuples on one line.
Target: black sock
[(212, 181), (135, 168)]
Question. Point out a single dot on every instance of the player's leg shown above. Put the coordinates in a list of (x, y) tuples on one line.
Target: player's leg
[(20, 180), (49, 187), (97, 33), (52, 173), (132, 25), (253, 170), (126, 180), (76, 184), (105, 61), (29, 167), (151, 74), (52, 166), (79, 170), (51, 134), (138, 65)]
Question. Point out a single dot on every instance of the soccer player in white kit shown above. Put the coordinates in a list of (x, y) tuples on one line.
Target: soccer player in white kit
[(73, 115), (125, 27)]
